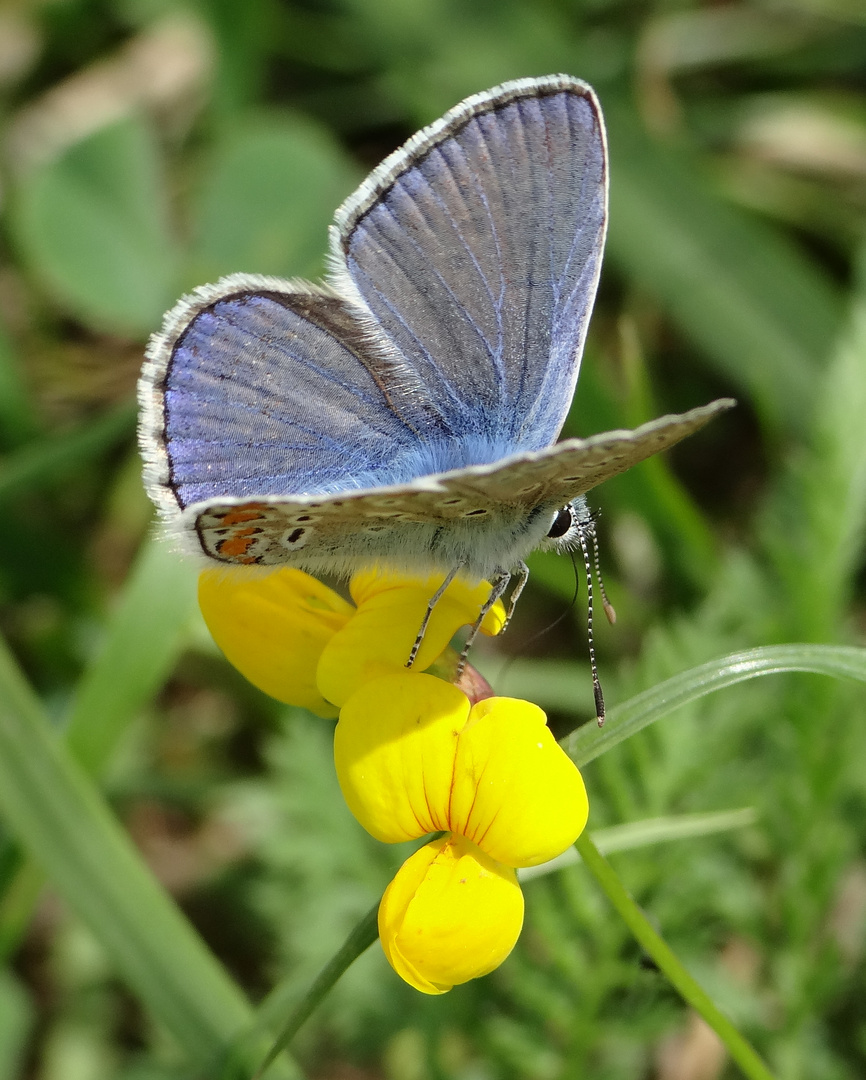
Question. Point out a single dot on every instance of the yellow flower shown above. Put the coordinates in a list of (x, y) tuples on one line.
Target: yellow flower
[(273, 628), (413, 757), (303, 644), (516, 793), (451, 914), (413, 754), (394, 752)]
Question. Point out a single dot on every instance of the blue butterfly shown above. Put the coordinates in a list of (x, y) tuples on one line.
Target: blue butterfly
[(405, 413)]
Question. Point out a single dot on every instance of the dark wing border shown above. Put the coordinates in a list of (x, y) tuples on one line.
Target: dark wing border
[(158, 357), (383, 177)]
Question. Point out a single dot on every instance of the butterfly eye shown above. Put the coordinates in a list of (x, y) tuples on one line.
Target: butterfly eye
[(562, 522)]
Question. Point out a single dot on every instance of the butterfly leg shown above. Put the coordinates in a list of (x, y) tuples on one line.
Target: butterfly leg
[(425, 622), (497, 588), (521, 572)]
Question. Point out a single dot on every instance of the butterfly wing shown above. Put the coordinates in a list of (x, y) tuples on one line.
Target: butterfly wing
[(477, 249), (319, 531), (259, 387), (470, 260), (405, 415)]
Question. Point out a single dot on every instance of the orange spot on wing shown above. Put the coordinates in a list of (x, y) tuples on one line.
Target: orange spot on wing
[(241, 514), (236, 546)]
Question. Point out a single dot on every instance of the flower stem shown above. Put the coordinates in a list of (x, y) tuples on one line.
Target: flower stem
[(363, 935), (738, 1047)]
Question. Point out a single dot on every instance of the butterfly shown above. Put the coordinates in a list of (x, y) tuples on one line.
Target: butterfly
[(405, 413)]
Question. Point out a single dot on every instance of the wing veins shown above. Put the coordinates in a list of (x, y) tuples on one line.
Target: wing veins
[(493, 231), (494, 353), (410, 332), (202, 397), (283, 349), (420, 250), (528, 297)]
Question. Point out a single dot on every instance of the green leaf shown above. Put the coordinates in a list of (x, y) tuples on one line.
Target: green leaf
[(268, 196), (93, 226)]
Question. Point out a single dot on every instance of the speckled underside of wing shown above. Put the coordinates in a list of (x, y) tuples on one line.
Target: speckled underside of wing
[(287, 530)]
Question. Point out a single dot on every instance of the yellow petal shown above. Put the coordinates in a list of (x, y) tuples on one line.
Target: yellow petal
[(394, 751), (470, 598), (273, 628), (411, 759), (451, 914), (391, 609), (515, 792)]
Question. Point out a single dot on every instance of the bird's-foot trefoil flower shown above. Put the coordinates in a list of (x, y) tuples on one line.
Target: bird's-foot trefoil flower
[(414, 754)]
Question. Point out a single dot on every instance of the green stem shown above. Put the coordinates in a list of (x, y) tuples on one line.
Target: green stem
[(359, 939), (739, 1049)]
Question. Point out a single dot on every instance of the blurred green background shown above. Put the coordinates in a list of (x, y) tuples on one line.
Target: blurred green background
[(151, 145)]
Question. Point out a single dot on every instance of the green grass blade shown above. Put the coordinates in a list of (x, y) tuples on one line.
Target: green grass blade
[(68, 829), (358, 941), (16, 1022), (141, 647), (18, 421), (19, 893), (623, 721), (143, 639), (639, 834)]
